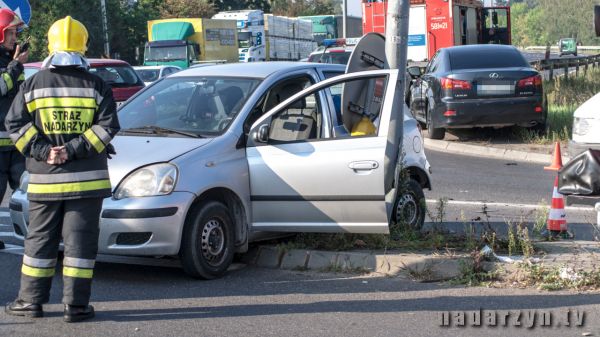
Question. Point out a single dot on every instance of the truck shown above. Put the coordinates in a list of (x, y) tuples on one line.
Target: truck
[(184, 42), (331, 27), (435, 24), (263, 37)]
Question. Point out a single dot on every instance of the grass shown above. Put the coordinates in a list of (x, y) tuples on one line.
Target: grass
[(557, 277)]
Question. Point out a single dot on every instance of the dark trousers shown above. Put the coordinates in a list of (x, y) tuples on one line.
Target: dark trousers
[(78, 222), (12, 165)]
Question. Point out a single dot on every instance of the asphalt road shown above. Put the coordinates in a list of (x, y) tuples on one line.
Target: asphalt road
[(151, 301), (510, 191)]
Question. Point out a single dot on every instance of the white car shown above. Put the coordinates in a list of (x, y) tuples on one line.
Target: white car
[(586, 127), (150, 74)]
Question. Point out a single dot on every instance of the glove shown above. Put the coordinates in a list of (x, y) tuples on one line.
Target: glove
[(110, 149)]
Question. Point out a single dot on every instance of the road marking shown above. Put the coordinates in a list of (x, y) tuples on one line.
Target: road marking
[(319, 280), (4, 214), (503, 204), (6, 234)]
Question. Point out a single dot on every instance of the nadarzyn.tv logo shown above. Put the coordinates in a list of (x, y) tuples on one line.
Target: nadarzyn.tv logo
[(518, 318)]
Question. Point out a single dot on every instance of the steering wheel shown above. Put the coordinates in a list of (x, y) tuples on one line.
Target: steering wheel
[(223, 123)]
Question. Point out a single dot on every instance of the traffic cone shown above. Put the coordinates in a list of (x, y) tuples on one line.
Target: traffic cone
[(557, 219), (557, 160)]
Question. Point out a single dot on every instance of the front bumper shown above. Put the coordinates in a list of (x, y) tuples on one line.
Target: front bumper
[(490, 112), (149, 226)]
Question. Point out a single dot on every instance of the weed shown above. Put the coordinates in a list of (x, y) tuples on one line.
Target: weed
[(420, 274), (472, 272)]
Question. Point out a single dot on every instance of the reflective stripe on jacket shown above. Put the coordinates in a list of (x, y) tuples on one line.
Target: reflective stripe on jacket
[(68, 107), (11, 77)]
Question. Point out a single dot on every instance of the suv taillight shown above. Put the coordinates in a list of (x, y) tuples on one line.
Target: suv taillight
[(452, 84)]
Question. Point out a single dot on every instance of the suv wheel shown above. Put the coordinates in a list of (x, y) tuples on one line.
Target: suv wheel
[(410, 208), (208, 241)]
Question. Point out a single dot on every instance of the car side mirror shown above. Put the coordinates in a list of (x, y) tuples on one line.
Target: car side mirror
[(261, 135), (414, 71)]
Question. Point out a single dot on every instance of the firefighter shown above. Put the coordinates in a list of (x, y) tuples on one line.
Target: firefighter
[(12, 163), (63, 120)]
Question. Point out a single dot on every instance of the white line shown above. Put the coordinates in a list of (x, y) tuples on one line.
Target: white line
[(502, 204), (12, 249), (4, 214), (6, 234), (317, 280)]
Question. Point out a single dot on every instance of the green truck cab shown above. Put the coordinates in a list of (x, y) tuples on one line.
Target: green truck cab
[(567, 46), (183, 42)]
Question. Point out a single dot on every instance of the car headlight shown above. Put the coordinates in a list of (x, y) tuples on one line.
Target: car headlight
[(24, 181), (581, 126), (153, 180)]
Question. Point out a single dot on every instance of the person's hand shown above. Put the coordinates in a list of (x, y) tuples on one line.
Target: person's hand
[(57, 155), (21, 57)]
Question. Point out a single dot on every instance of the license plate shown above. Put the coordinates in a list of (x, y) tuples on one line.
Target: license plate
[(495, 89)]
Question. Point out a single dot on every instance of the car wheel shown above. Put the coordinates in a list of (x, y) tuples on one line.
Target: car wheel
[(208, 241), (432, 131), (409, 208)]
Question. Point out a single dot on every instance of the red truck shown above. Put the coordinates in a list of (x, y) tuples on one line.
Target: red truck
[(436, 24)]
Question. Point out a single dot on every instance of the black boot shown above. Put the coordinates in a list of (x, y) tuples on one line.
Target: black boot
[(22, 308), (76, 313)]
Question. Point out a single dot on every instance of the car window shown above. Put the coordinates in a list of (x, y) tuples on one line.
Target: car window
[(202, 105), (117, 76), (434, 63), (148, 75), (476, 58), (332, 57), (30, 71)]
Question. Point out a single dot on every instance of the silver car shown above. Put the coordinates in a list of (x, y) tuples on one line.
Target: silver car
[(212, 158)]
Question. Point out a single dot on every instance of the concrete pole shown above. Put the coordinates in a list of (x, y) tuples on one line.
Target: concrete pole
[(344, 18), (105, 28)]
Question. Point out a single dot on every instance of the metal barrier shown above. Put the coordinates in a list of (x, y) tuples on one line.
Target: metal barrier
[(566, 64)]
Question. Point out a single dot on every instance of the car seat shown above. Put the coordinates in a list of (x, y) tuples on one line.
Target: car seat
[(296, 122)]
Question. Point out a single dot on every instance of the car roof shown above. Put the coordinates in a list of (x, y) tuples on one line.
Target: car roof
[(93, 63), (153, 67), (472, 47), (254, 69)]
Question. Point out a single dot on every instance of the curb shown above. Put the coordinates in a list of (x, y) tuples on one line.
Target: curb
[(490, 151), (426, 266)]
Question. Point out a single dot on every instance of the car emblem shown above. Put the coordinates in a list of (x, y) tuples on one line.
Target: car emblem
[(494, 75)]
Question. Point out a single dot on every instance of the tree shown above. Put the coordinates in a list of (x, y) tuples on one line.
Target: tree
[(229, 5), (187, 9), (303, 8)]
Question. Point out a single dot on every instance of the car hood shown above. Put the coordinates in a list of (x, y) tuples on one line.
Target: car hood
[(589, 108), (136, 151)]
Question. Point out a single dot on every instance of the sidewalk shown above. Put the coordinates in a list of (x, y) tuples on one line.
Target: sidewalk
[(428, 265)]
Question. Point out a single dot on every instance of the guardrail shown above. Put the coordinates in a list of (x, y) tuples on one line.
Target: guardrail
[(566, 64), (555, 48)]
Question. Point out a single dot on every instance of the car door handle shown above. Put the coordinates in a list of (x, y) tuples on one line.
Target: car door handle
[(365, 165)]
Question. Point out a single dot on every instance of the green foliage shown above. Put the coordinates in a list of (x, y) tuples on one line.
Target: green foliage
[(538, 22)]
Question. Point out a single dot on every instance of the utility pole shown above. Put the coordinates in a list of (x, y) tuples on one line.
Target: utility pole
[(344, 17), (105, 28), (396, 43)]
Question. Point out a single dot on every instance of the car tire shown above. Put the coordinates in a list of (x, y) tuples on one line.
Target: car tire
[(207, 245), (409, 207), (432, 131)]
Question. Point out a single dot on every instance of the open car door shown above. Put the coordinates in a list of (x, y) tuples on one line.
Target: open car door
[(306, 178)]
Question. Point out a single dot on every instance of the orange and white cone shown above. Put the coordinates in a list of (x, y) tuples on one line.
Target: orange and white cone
[(557, 218)]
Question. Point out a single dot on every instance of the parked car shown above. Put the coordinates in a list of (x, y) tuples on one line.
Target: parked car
[(586, 127), (212, 158), (123, 80), (150, 74), (478, 86)]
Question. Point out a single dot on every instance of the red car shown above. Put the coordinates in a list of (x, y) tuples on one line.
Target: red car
[(118, 74)]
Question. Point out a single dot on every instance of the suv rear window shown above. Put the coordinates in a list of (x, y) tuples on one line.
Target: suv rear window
[(117, 76), (475, 58)]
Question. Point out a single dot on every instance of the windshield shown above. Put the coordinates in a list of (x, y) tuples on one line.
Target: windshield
[(148, 75), (117, 76), (165, 53), (205, 106), (331, 57)]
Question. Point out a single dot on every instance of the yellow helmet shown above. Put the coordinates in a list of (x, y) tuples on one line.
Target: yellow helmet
[(69, 35)]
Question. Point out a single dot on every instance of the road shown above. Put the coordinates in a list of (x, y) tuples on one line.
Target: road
[(151, 301), (512, 191)]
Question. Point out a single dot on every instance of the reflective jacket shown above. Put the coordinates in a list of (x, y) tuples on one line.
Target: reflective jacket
[(11, 76), (64, 106)]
